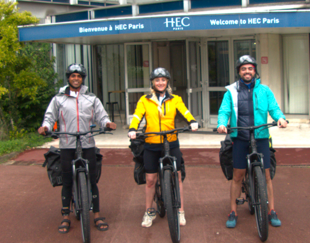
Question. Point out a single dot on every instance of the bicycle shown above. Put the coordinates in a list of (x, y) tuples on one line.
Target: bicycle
[(81, 189), (254, 183), (167, 192)]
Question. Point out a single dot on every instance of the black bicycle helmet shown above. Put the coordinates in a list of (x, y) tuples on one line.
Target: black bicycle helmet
[(76, 68), (160, 72), (246, 59)]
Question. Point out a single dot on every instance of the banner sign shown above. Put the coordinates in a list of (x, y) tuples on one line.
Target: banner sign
[(161, 24)]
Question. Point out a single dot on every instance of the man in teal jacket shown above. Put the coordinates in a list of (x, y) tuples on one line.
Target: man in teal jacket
[(247, 103)]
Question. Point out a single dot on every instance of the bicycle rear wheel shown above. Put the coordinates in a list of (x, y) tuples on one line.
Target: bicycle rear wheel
[(84, 213), (159, 200), (76, 212), (172, 211), (261, 203), (246, 185)]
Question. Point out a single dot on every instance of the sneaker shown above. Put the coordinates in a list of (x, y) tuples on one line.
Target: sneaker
[(182, 219), (273, 219), (232, 220), (148, 218)]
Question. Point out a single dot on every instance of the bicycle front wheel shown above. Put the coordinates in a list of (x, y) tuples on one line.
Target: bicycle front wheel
[(170, 204), (84, 204), (261, 203)]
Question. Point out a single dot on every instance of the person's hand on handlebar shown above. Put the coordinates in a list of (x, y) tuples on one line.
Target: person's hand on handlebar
[(111, 125), (132, 135), (282, 123), (222, 129), (42, 130), (194, 126)]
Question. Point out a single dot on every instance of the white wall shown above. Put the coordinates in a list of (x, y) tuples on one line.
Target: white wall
[(271, 73)]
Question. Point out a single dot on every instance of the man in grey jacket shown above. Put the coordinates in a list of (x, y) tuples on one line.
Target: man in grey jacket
[(76, 109)]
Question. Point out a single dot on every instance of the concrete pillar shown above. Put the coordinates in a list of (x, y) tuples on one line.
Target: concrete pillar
[(245, 3), (135, 10), (271, 70), (73, 1), (186, 5), (122, 2)]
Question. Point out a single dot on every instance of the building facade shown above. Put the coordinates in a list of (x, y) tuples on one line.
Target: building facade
[(198, 41)]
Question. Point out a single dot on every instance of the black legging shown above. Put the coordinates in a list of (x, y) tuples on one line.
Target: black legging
[(66, 156)]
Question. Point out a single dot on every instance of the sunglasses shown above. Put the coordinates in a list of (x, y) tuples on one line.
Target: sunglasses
[(75, 68), (160, 71), (246, 58)]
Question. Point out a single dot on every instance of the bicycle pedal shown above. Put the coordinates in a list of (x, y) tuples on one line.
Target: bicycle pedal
[(240, 201)]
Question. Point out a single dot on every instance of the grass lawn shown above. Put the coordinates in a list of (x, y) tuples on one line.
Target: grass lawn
[(15, 146)]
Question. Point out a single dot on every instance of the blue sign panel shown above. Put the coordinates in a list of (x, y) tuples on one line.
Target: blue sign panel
[(181, 23)]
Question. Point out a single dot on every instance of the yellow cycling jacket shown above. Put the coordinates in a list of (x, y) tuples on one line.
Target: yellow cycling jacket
[(157, 121)]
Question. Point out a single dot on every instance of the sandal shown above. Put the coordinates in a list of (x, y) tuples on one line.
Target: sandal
[(98, 226), (64, 226)]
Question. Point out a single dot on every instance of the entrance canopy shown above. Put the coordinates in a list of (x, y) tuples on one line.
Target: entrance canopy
[(158, 27)]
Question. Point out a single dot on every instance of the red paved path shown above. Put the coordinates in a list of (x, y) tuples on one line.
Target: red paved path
[(30, 208)]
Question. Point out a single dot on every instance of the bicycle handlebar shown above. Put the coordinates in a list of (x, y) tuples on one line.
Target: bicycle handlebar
[(229, 129), (178, 130), (100, 131)]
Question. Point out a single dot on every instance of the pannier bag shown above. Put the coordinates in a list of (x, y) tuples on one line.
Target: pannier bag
[(226, 160), (273, 162), (53, 164), (137, 149), (98, 164), (54, 171)]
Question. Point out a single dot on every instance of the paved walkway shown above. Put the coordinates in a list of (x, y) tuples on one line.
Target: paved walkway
[(30, 208)]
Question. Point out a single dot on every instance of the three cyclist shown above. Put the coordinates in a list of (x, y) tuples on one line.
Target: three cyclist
[(75, 109), (159, 109), (247, 102)]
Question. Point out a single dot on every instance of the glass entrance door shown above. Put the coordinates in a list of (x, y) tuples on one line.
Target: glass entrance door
[(218, 77), (138, 63), (220, 62), (194, 84)]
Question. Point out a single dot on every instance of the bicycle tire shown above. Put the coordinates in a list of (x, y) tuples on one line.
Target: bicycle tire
[(261, 200), (84, 203), (172, 211), (159, 200), (247, 193)]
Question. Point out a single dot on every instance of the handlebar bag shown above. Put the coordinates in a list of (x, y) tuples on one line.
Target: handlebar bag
[(53, 164), (226, 159)]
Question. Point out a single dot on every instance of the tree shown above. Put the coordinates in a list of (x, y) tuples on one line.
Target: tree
[(22, 71)]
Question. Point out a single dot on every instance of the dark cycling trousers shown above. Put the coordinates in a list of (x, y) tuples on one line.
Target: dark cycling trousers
[(66, 157), (151, 159)]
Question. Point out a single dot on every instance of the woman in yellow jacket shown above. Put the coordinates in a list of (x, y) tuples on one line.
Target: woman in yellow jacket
[(159, 108)]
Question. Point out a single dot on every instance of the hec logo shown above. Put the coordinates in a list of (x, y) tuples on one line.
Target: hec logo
[(177, 23)]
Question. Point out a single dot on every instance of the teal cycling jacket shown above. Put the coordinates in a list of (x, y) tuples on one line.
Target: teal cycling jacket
[(263, 102)]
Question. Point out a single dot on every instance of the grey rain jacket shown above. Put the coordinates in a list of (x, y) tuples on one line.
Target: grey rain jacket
[(75, 115)]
